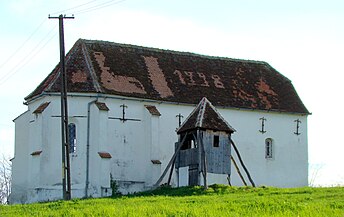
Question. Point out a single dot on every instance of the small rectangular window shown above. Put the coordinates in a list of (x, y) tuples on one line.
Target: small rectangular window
[(268, 148), (216, 142)]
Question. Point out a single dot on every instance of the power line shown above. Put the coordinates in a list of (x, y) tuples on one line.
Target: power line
[(20, 47), (28, 58), (27, 61), (99, 6), (75, 7), (90, 8)]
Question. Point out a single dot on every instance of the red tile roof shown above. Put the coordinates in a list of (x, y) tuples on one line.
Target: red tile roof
[(205, 116), (180, 77)]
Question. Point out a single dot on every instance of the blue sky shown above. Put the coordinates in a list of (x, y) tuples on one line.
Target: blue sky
[(303, 40)]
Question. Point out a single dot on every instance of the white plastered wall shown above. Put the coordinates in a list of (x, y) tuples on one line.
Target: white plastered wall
[(134, 143)]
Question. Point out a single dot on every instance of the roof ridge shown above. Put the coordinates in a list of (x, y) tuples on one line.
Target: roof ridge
[(219, 115), (67, 59), (174, 51), (90, 67), (200, 116)]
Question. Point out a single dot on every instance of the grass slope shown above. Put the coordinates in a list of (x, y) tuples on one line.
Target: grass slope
[(218, 200)]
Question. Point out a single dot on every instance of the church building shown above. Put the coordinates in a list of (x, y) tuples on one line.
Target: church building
[(128, 109)]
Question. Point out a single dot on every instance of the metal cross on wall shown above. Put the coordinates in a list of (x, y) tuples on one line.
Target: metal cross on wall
[(263, 125), (180, 116), (123, 118), (297, 127), (124, 106)]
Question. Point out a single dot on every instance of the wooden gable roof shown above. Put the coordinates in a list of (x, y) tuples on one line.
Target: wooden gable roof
[(179, 77), (205, 116)]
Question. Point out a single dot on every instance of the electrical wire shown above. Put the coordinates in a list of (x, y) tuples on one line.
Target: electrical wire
[(90, 8), (99, 6), (28, 58), (21, 46), (75, 7)]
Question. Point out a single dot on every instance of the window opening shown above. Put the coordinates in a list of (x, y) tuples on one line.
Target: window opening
[(193, 144), (190, 142), (216, 141), (268, 148), (72, 137)]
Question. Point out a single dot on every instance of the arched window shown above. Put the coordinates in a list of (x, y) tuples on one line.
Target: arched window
[(72, 137), (268, 148)]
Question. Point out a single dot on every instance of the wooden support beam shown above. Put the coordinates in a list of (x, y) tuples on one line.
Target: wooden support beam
[(171, 171), (204, 161), (199, 149), (238, 170), (242, 163), (171, 161), (229, 179)]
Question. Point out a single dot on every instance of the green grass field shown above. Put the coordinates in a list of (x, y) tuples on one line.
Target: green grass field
[(218, 200)]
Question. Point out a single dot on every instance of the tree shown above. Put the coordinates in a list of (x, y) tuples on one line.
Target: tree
[(5, 179)]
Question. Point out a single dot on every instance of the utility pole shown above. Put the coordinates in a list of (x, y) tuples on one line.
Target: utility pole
[(66, 180)]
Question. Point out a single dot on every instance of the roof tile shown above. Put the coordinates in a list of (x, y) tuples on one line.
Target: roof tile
[(179, 77)]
